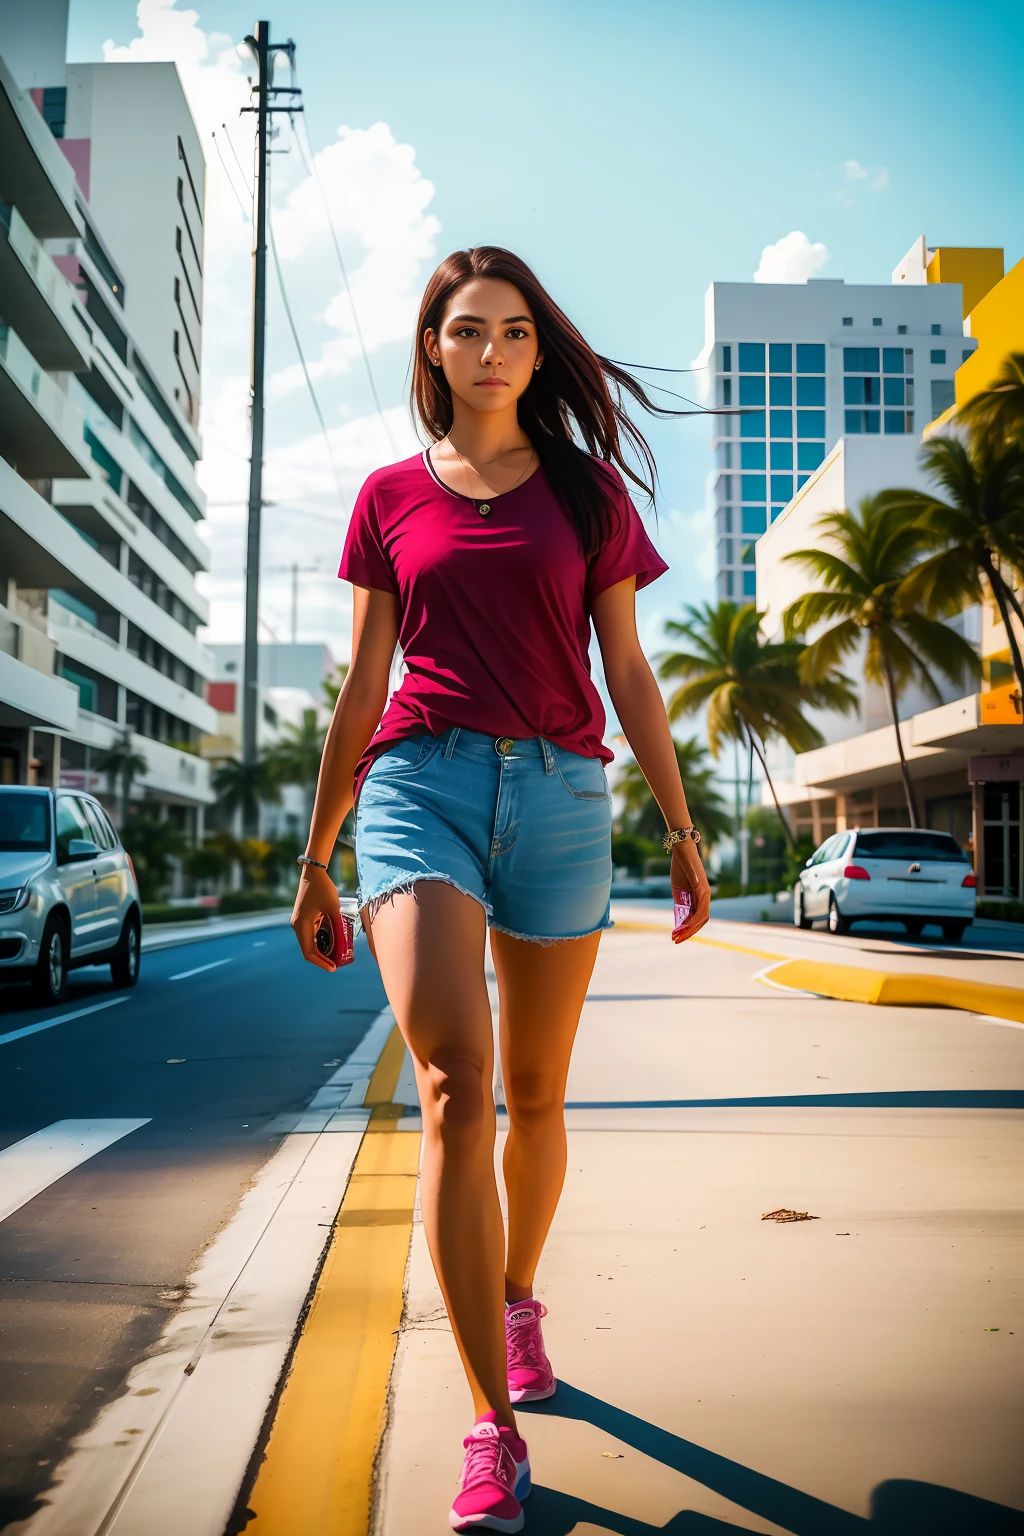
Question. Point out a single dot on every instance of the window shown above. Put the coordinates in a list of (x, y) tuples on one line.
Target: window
[(908, 359), (776, 512), (86, 688), (801, 480), (753, 424), (782, 487), (892, 359), (727, 391), (860, 359), (141, 442), (810, 391), (921, 847), (862, 421), (810, 357), (943, 396), (938, 355), (752, 391), (724, 526), (71, 824), (780, 391), (97, 824), (54, 109), (747, 555), (725, 552), (24, 822), (966, 354), (727, 359), (753, 520), (780, 357), (752, 456), (752, 487), (936, 330), (810, 423), (876, 322), (809, 455), (751, 356), (892, 391), (901, 330), (860, 391), (895, 421), (725, 488), (781, 423), (112, 470), (847, 319), (782, 456), (750, 584)]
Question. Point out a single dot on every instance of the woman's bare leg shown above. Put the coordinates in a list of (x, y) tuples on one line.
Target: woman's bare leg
[(430, 949), (542, 988)]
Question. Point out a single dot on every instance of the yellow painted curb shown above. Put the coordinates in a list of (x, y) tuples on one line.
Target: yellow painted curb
[(854, 984), (317, 1473)]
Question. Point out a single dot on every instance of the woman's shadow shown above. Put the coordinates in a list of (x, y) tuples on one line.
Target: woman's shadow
[(898, 1508)]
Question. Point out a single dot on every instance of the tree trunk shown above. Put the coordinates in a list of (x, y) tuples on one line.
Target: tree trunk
[(908, 788), (785, 824), (1000, 593)]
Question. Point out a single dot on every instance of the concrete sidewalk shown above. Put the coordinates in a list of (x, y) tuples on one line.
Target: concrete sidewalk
[(722, 1373)]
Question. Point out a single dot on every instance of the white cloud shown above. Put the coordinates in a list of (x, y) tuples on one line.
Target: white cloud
[(793, 259), (854, 170), (881, 180), (379, 202), (877, 177)]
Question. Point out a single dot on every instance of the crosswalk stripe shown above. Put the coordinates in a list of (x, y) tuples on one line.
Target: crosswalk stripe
[(37, 1161)]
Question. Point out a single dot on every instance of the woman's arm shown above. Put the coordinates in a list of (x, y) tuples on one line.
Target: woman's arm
[(356, 716), (641, 711)]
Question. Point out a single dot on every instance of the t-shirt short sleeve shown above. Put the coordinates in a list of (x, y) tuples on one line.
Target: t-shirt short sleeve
[(628, 551), (364, 560)]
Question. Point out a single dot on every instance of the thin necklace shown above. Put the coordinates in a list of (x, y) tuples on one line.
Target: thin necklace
[(484, 502)]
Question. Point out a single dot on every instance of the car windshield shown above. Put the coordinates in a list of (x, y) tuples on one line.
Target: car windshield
[(24, 822), (917, 847)]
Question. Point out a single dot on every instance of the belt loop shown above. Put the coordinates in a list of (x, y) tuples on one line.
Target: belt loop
[(453, 737), (549, 754)]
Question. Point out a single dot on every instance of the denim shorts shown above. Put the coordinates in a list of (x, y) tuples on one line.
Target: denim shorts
[(524, 827)]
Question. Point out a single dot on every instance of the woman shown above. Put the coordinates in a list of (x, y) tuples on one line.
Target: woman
[(481, 795)]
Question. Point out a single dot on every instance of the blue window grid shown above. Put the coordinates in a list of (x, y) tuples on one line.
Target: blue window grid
[(810, 357), (810, 423), (780, 390), (751, 356), (780, 357), (781, 423), (752, 390), (752, 456)]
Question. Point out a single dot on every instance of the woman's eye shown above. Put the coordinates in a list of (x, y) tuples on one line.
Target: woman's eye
[(515, 334), (466, 330)]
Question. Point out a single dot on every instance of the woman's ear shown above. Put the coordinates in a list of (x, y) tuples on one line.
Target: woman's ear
[(431, 348)]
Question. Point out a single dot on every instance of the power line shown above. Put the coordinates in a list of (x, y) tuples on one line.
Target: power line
[(246, 212), (305, 150)]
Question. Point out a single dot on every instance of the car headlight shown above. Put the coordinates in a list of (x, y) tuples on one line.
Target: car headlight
[(13, 901)]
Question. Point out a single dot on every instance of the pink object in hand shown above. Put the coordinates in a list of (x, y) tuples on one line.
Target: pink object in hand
[(682, 904)]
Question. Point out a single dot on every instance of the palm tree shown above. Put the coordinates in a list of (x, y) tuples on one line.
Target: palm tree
[(332, 685), (864, 562), (974, 522), (998, 412), (295, 757), (753, 688), (642, 815), (123, 764), (243, 787)]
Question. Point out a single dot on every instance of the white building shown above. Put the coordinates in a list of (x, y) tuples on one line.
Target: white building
[(99, 504), (810, 363)]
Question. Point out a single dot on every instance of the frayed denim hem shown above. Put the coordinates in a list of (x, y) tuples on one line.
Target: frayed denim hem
[(564, 938), (406, 886)]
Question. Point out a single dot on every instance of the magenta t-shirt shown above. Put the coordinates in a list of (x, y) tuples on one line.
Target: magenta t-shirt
[(494, 612)]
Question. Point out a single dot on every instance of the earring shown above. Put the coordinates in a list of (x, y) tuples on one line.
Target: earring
[(535, 367)]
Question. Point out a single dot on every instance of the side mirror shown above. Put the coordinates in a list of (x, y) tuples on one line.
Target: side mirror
[(80, 848)]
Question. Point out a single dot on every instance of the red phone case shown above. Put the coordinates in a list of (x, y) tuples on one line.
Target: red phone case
[(335, 938)]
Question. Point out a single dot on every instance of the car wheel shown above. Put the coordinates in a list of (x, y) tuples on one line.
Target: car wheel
[(51, 978), (124, 967), (954, 932), (800, 918), (837, 923), (914, 926)]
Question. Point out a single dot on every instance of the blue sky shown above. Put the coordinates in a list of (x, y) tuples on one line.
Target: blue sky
[(632, 153)]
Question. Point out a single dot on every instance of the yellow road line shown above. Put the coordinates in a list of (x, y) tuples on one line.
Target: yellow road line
[(317, 1473), (855, 984), (739, 949)]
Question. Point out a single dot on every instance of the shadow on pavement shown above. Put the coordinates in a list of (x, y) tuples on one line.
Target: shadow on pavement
[(898, 1507), (924, 1098)]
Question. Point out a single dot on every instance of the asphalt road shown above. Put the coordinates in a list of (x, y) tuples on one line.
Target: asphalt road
[(217, 1040)]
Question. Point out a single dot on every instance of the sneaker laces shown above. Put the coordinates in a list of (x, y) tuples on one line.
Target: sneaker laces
[(488, 1460), (523, 1336)]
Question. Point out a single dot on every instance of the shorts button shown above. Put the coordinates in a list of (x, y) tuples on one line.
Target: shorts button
[(503, 746)]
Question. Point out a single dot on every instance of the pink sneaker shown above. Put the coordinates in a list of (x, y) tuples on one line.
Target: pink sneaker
[(530, 1376), (495, 1478)]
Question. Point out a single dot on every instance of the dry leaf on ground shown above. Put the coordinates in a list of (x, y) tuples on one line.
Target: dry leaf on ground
[(782, 1214)]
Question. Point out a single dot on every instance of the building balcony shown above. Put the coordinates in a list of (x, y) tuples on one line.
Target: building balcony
[(37, 177), (171, 774), (42, 298), (82, 642), (29, 695), (41, 432)]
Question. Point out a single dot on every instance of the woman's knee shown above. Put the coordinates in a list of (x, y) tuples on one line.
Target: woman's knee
[(458, 1105), (534, 1101)]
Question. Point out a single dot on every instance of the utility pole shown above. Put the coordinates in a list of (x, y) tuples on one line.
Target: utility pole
[(262, 52)]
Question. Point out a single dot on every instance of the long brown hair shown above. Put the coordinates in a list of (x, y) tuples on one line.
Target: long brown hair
[(576, 393)]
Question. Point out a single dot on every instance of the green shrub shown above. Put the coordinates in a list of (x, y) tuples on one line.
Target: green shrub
[(236, 902), (629, 852), (1002, 911), (160, 912)]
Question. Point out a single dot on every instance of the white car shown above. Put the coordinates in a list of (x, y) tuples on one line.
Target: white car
[(888, 874), (68, 894)]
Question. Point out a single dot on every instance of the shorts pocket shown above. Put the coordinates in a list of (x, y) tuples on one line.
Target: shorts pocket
[(405, 756), (583, 777)]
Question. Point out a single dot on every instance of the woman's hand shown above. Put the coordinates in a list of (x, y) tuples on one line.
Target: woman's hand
[(688, 875), (317, 893)]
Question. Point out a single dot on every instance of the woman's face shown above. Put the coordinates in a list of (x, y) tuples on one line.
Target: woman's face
[(486, 344)]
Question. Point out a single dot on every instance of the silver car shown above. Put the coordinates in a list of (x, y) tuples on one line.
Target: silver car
[(888, 874), (68, 893)]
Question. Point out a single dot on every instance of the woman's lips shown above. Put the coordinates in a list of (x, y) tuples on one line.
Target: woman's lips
[(491, 384)]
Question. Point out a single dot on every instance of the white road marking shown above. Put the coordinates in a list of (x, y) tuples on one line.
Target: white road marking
[(34, 1029), (200, 1398), (37, 1161), (212, 966)]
